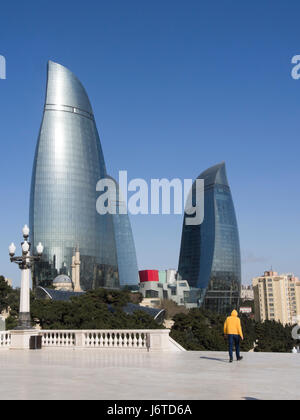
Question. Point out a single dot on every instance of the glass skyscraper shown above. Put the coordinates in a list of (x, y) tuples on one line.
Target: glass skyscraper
[(125, 248), (68, 164), (210, 253)]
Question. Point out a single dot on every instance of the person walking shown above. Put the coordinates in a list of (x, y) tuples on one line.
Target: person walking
[(233, 330)]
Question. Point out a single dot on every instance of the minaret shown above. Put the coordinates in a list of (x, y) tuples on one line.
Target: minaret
[(77, 287), (73, 269)]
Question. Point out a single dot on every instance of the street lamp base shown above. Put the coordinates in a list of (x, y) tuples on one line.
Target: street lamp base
[(24, 321), (20, 339)]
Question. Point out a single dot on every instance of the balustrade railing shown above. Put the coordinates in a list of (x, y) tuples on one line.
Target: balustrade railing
[(118, 339), (54, 338), (97, 339), (4, 339)]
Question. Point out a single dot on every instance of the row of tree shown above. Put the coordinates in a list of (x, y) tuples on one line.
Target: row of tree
[(96, 309), (203, 330)]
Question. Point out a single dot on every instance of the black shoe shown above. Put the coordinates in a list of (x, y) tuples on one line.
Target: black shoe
[(230, 360), (240, 358)]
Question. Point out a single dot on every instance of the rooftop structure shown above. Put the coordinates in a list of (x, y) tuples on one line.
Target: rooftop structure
[(247, 292), (63, 282)]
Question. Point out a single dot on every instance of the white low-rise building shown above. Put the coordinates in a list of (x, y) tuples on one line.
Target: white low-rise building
[(155, 286)]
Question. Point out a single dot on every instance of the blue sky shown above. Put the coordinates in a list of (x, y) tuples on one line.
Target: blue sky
[(176, 86)]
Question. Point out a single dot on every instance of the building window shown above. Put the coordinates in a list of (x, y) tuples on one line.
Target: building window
[(151, 294)]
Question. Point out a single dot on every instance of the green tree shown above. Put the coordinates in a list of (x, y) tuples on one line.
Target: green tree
[(9, 301), (203, 330), (172, 308), (5, 291), (96, 309)]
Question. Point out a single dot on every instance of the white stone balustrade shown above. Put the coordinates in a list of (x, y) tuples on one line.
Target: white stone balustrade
[(55, 338), (152, 340), (115, 339), (4, 339), (111, 339)]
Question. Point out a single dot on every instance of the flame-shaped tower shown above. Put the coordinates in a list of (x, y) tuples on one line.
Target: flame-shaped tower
[(67, 166), (210, 253)]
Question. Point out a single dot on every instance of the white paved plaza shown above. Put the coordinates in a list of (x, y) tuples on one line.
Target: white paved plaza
[(132, 375)]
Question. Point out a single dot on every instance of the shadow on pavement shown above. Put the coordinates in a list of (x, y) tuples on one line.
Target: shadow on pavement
[(214, 358)]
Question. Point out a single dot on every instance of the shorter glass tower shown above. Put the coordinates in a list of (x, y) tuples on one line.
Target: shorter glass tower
[(210, 253)]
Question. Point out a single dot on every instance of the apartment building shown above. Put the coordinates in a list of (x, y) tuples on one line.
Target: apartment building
[(277, 297)]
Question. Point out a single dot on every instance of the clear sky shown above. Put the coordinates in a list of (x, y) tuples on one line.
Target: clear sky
[(176, 86)]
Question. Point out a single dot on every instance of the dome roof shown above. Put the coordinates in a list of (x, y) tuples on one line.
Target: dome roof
[(62, 279)]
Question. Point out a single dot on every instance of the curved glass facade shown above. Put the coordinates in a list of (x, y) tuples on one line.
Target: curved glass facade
[(128, 273), (67, 166), (210, 253)]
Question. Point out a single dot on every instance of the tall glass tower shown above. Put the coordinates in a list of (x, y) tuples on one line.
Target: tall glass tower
[(210, 253), (68, 164)]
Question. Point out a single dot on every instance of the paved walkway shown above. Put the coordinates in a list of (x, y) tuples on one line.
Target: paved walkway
[(115, 374)]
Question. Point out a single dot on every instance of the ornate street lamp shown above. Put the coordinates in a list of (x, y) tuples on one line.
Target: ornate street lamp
[(25, 263)]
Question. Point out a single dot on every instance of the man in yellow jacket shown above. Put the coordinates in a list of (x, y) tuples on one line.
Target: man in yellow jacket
[(233, 330)]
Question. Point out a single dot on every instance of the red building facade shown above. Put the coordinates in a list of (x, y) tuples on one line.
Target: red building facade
[(148, 275)]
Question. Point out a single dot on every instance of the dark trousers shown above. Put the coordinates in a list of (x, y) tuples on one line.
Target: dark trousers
[(233, 338)]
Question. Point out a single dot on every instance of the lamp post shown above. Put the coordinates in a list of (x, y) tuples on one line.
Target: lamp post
[(25, 263)]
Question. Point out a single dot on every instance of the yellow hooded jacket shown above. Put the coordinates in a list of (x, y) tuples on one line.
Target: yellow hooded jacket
[(233, 325)]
